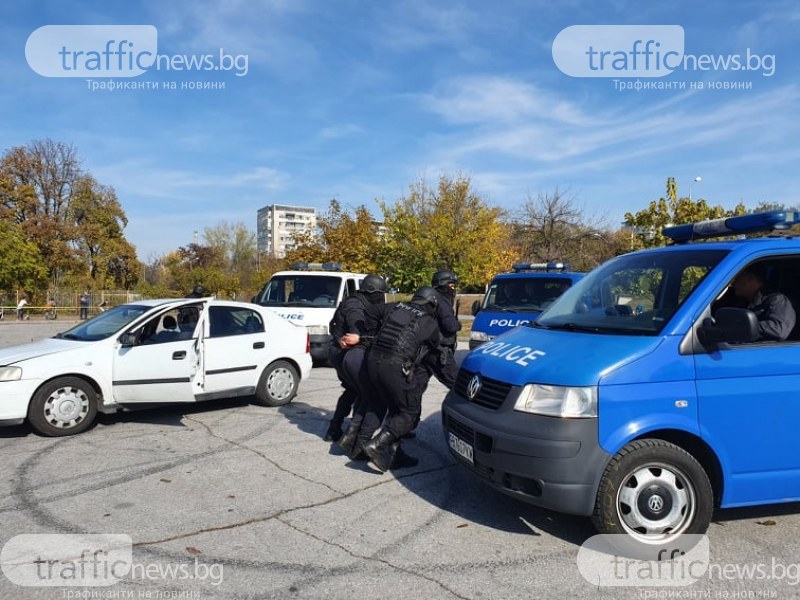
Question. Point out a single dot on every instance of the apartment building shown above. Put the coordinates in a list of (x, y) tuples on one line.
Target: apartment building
[(277, 224)]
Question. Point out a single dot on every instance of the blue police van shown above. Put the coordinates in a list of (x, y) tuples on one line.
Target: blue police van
[(517, 298), (647, 395)]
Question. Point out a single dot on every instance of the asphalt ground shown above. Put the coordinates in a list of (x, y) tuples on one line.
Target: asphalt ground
[(252, 503)]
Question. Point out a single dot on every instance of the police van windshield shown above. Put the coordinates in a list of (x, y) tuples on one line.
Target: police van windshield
[(636, 294), (301, 290), (524, 294)]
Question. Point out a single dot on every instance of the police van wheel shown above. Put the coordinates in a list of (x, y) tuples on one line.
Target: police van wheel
[(278, 384), (653, 490), (63, 406)]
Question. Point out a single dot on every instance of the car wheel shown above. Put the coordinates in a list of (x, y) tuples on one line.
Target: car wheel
[(63, 406), (278, 384), (653, 490)]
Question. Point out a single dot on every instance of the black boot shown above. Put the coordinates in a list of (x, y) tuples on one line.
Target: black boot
[(401, 459), (348, 440), (334, 432), (379, 450), (357, 453)]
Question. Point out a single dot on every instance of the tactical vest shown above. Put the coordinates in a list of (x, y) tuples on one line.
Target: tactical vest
[(398, 334)]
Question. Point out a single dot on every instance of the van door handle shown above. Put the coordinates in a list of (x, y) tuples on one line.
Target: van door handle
[(258, 345), (179, 355)]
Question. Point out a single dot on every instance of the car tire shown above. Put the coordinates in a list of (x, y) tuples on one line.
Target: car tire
[(63, 406), (653, 490), (277, 384)]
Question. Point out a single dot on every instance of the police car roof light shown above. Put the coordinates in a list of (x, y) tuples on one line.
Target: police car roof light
[(765, 221), (549, 266), (304, 266)]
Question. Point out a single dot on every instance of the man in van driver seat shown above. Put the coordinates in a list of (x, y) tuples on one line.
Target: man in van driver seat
[(776, 316)]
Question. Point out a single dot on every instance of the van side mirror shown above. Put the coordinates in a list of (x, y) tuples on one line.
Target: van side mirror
[(729, 325), (476, 306)]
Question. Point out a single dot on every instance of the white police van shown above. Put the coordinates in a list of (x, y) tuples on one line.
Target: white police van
[(308, 295)]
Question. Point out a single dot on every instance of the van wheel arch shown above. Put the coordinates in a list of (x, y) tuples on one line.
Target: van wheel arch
[(701, 452)]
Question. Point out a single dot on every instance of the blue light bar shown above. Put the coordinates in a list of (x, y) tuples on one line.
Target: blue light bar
[(766, 221), (550, 266), (304, 266)]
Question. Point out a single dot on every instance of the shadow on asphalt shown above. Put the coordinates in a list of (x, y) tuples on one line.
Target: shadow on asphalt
[(155, 414)]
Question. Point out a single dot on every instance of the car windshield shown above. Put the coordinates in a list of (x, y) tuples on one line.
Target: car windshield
[(301, 290), (105, 324), (636, 294), (524, 294)]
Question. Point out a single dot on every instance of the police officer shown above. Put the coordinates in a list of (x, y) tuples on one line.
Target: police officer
[(346, 354), (198, 291), (408, 332), (441, 362)]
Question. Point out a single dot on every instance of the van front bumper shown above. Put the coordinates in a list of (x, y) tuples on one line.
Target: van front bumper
[(551, 462)]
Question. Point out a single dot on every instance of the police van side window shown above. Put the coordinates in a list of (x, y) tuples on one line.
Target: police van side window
[(771, 289)]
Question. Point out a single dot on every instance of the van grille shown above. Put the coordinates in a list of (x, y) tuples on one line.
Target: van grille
[(491, 395)]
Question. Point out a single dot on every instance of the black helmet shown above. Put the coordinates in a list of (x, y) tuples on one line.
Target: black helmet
[(197, 292), (373, 283), (443, 278), (425, 295)]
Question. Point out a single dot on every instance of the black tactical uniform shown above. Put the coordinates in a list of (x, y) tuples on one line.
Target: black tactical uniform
[(349, 318), (408, 332)]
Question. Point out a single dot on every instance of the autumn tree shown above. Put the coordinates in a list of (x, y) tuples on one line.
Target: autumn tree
[(646, 225), (98, 225), (236, 248), (448, 226), (47, 195), (20, 261), (350, 239)]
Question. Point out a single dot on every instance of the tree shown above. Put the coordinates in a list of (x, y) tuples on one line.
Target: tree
[(345, 238), (20, 262), (99, 221), (237, 248), (447, 227), (646, 225), (61, 209)]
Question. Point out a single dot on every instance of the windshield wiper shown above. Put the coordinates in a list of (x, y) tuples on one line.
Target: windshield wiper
[(69, 336), (500, 308), (573, 327)]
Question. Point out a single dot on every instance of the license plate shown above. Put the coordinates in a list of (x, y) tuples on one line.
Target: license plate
[(460, 447)]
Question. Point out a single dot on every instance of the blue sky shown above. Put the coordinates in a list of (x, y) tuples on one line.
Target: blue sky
[(356, 99)]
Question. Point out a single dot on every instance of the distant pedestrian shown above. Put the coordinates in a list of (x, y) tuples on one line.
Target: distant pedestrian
[(85, 301), (21, 309)]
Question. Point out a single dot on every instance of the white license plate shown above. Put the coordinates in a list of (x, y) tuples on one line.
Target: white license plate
[(460, 447)]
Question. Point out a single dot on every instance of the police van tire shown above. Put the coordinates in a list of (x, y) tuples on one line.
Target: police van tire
[(653, 490), (63, 406), (277, 384)]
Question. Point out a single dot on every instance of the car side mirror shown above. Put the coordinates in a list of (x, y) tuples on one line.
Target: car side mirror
[(127, 340), (729, 325), (476, 306)]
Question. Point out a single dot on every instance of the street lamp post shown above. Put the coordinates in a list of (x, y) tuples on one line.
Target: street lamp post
[(697, 179)]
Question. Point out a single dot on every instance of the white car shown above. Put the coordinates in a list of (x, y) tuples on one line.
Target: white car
[(152, 351)]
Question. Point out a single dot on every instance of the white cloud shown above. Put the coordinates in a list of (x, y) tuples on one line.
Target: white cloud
[(491, 99), (339, 131)]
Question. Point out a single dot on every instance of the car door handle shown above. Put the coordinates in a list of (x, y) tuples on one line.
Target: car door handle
[(258, 345), (179, 355)]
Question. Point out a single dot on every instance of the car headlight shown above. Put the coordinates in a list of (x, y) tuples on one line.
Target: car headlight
[(317, 330), (10, 373), (558, 401), (479, 336)]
